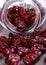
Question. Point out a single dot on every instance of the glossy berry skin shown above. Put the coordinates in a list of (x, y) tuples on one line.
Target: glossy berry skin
[(13, 59), (6, 51), (3, 39), (23, 51), (16, 43), (36, 50), (14, 56), (3, 43), (31, 59), (21, 17), (23, 14), (39, 32), (31, 13), (20, 25)]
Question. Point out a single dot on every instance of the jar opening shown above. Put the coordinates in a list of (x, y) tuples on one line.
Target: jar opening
[(29, 28)]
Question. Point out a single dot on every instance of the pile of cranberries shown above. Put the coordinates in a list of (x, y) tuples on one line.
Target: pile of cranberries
[(21, 17), (23, 49)]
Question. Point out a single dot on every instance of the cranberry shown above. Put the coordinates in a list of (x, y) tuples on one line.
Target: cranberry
[(44, 34), (24, 38), (23, 51), (32, 20), (31, 14), (41, 40), (14, 63), (6, 51), (12, 10), (16, 43), (11, 35), (38, 31), (13, 59), (21, 26), (12, 49), (10, 41), (7, 61), (3, 39), (33, 41), (36, 50), (30, 59), (23, 14), (16, 15), (2, 45), (44, 42)]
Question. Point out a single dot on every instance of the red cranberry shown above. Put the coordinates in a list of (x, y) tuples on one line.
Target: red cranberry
[(12, 10), (30, 59), (11, 35), (41, 40), (23, 14), (6, 51), (16, 63), (44, 42), (33, 41), (32, 19), (21, 26), (2, 45), (44, 35), (36, 50), (38, 31), (3, 39), (16, 43), (24, 38), (16, 15), (16, 21), (23, 51), (31, 14), (12, 49), (10, 41), (13, 59), (7, 61)]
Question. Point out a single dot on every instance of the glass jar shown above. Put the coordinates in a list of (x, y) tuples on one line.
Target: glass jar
[(39, 19)]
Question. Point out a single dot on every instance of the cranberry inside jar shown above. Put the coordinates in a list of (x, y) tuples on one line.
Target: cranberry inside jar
[(21, 17)]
